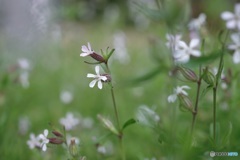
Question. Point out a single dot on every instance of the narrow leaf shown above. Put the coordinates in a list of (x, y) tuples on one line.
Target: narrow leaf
[(128, 123)]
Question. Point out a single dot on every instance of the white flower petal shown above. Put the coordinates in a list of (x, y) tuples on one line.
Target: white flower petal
[(232, 47), (172, 98), (196, 53), (185, 87), (235, 38), (183, 59), (89, 75), (45, 132), (182, 44), (97, 69), (237, 9), (227, 15), (236, 57), (44, 147), (194, 43), (231, 24), (104, 78), (99, 84), (89, 47), (85, 49), (92, 84), (84, 54)]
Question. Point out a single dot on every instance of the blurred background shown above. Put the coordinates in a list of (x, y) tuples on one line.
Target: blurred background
[(43, 78)]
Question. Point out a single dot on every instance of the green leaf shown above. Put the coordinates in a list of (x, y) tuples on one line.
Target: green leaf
[(110, 54), (128, 123), (226, 137)]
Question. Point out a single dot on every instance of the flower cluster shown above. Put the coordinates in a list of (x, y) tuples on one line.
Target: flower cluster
[(233, 24), (39, 141), (97, 78)]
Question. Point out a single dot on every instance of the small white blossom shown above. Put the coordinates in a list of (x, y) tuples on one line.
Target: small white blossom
[(196, 24), (66, 97), (97, 78), (23, 125), (44, 140), (105, 149), (172, 41), (70, 138), (232, 19), (236, 47), (179, 90), (183, 52), (86, 51), (23, 63), (69, 122), (34, 141), (147, 116)]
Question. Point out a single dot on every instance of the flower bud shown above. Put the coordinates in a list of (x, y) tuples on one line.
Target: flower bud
[(109, 78), (108, 124), (56, 133), (185, 102), (98, 57), (55, 141), (188, 74), (208, 77), (73, 148)]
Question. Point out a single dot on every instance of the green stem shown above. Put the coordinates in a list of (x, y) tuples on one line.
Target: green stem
[(120, 136), (195, 111)]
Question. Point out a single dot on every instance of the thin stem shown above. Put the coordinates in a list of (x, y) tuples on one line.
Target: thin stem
[(120, 136), (195, 111), (214, 113)]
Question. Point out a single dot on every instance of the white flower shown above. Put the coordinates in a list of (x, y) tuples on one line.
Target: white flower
[(196, 24), (183, 52), (66, 97), (69, 122), (23, 63), (105, 149), (97, 78), (86, 51), (23, 125), (172, 41), (147, 116), (44, 140), (34, 141), (179, 90), (232, 19), (236, 47)]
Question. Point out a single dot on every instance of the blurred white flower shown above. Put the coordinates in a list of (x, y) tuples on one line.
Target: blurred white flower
[(69, 138), (24, 79), (97, 78), (172, 41), (23, 63), (69, 122), (66, 97), (44, 140), (236, 47), (34, 141), (179, 90), (105, 149), (196, 24), (86, 51), (119, 43), (23, 125), (183, 52), (232, 19), (147, 116)]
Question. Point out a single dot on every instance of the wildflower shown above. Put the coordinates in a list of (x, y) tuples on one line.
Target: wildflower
[(69, 122), (66, 97), (86, 51), (236, 47), (34, 141), (97, 78), (44, 140), (196, 24), (23, 125), (183, 51), (232, 19), (177, 91), (172, 41), (147, 116), (23, 63), (73, 148)]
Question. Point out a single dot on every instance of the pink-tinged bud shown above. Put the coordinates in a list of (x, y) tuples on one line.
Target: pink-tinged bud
[(56, 133), (109, 78), (98, 57), (55, 141), (188, 74)]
